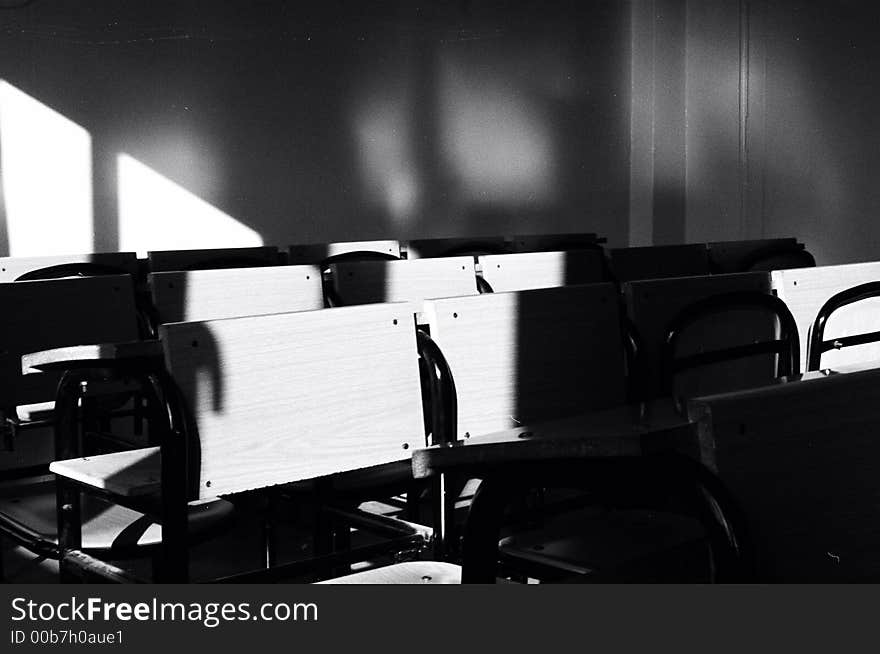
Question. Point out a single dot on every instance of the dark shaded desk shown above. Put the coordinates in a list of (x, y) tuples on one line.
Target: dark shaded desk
[(796, 465), (639, 452), (632, 430)]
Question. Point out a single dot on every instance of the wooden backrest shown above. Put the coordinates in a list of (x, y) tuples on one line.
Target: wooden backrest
[(553, 242), (653, 304), (805, 290), (531, 355), (527, 270), (317, 252), (293, 396), (660, 261), (734, 256), (452, 247), (41, 315), (803, 462), (167, 260), (11, 268), (233, 292), (363, 282)]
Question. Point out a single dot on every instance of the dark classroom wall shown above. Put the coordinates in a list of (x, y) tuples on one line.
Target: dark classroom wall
[(822, 132), (780, 114), (340, 120), (649, 121)]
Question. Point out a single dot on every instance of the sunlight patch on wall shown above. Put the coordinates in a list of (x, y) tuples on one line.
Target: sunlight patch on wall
[(497, 137), (46, 161), (383, 130), (158, 214)]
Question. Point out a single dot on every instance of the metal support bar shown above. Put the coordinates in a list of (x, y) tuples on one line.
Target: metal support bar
[(86, 568), (327, 562)]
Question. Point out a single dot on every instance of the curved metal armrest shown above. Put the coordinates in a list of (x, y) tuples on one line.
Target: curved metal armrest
[(441, 390), (817, 346), (135, 354), (787, 346)]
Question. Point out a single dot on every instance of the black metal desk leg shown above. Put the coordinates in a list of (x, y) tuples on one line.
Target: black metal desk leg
[(69, 528)]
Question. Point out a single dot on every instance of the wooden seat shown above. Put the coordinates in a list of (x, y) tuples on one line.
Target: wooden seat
[(168, 260), (530, 270), (659, 261), (363, 282), (273, 399), (409, 572), (226, 293), (108, 529), (322, 253), (130, 473), (805, 290)]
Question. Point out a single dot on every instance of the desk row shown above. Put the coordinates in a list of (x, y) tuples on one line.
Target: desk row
[(617, 263)]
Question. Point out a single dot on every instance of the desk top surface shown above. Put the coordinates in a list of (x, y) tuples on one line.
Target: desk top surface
[(631, 430)]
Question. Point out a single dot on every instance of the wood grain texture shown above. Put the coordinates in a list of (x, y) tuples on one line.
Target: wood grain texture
[(524, 271), (660, 261), (408, 572), (629, 430), (805, 290), (532, 355), (803, 461), (11, 268), (168, 260), (64, 358), (47, 314), (294, 396), (130, 473), (317, 252), (232, 292), (653, 304), (364, 282)]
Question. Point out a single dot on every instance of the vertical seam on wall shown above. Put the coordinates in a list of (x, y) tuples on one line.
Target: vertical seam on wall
[(653, 116), (684, 131), (743, 112), (765, 55)]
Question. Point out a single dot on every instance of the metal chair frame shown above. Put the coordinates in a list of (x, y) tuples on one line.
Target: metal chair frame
[(817, 346)]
